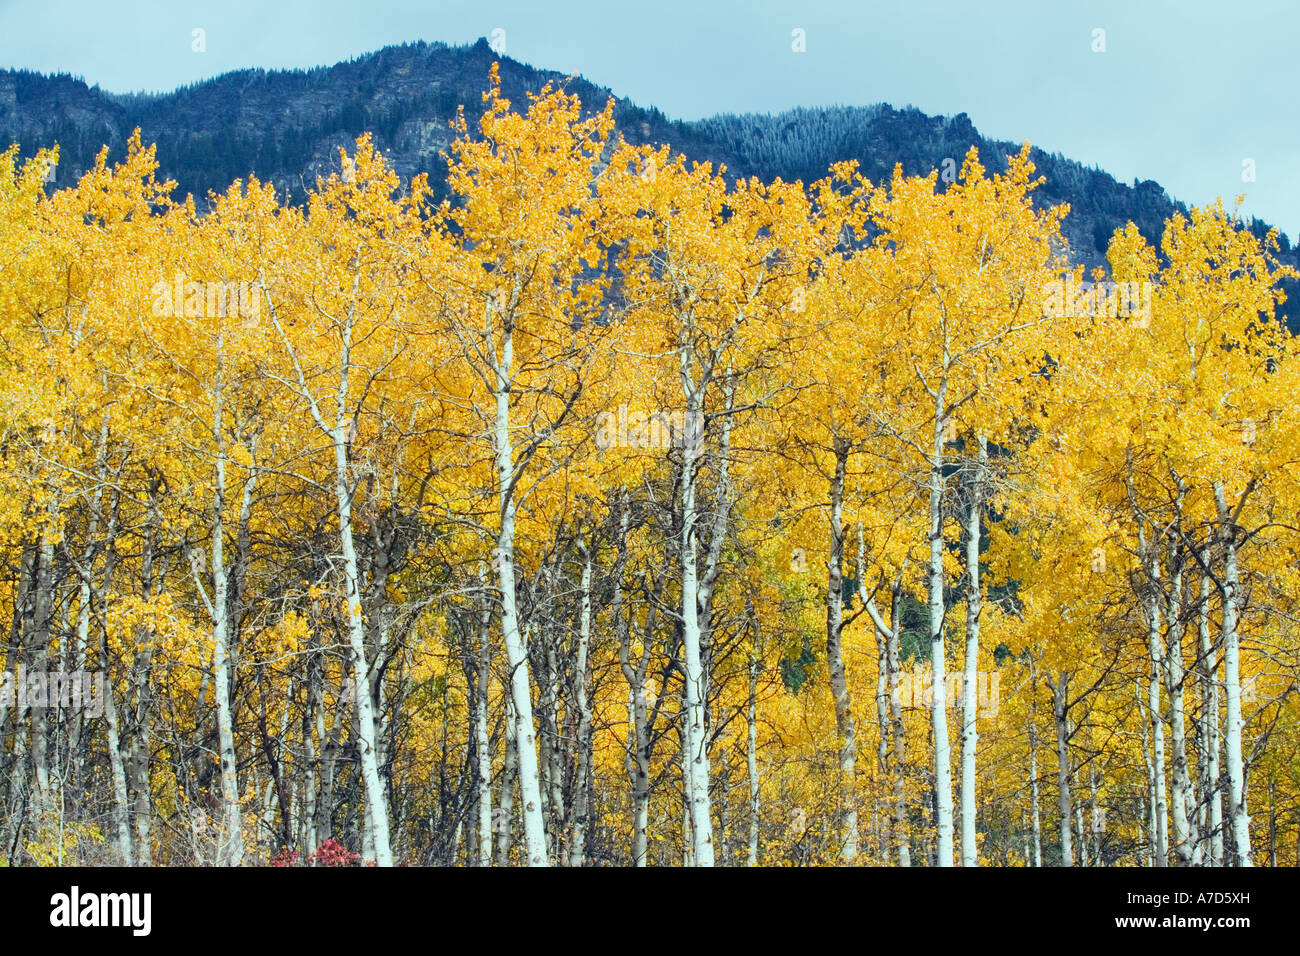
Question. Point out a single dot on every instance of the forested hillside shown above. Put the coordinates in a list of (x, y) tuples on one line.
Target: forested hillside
[(285, 126)]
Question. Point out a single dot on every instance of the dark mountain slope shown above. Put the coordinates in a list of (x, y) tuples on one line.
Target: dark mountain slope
[(286, 127)]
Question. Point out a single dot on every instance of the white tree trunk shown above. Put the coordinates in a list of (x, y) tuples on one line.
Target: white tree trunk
[(938, 708), (117, 767), (1144, 723), (502, 815), (42, 797), (582, 772), (121, 814), (901, 830), (751, 750), (516, 652), (1238, 819), (1160, 821), (847, 795), (899, 825), (310, 734), (1037, 823), (638, 759), (881, 818), (1060, 704), (695, 759), (1096, 822), (640, 778), (230, 847), (1212, 793), (482, 741), (1180, 790), (1080, 836), (970, 701), (376, 814), (688, 837)]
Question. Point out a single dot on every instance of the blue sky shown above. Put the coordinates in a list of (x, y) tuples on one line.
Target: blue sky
[(1185, 91)]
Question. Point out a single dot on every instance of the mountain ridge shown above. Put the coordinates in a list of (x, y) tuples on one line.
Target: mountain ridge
[(286, 126)]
